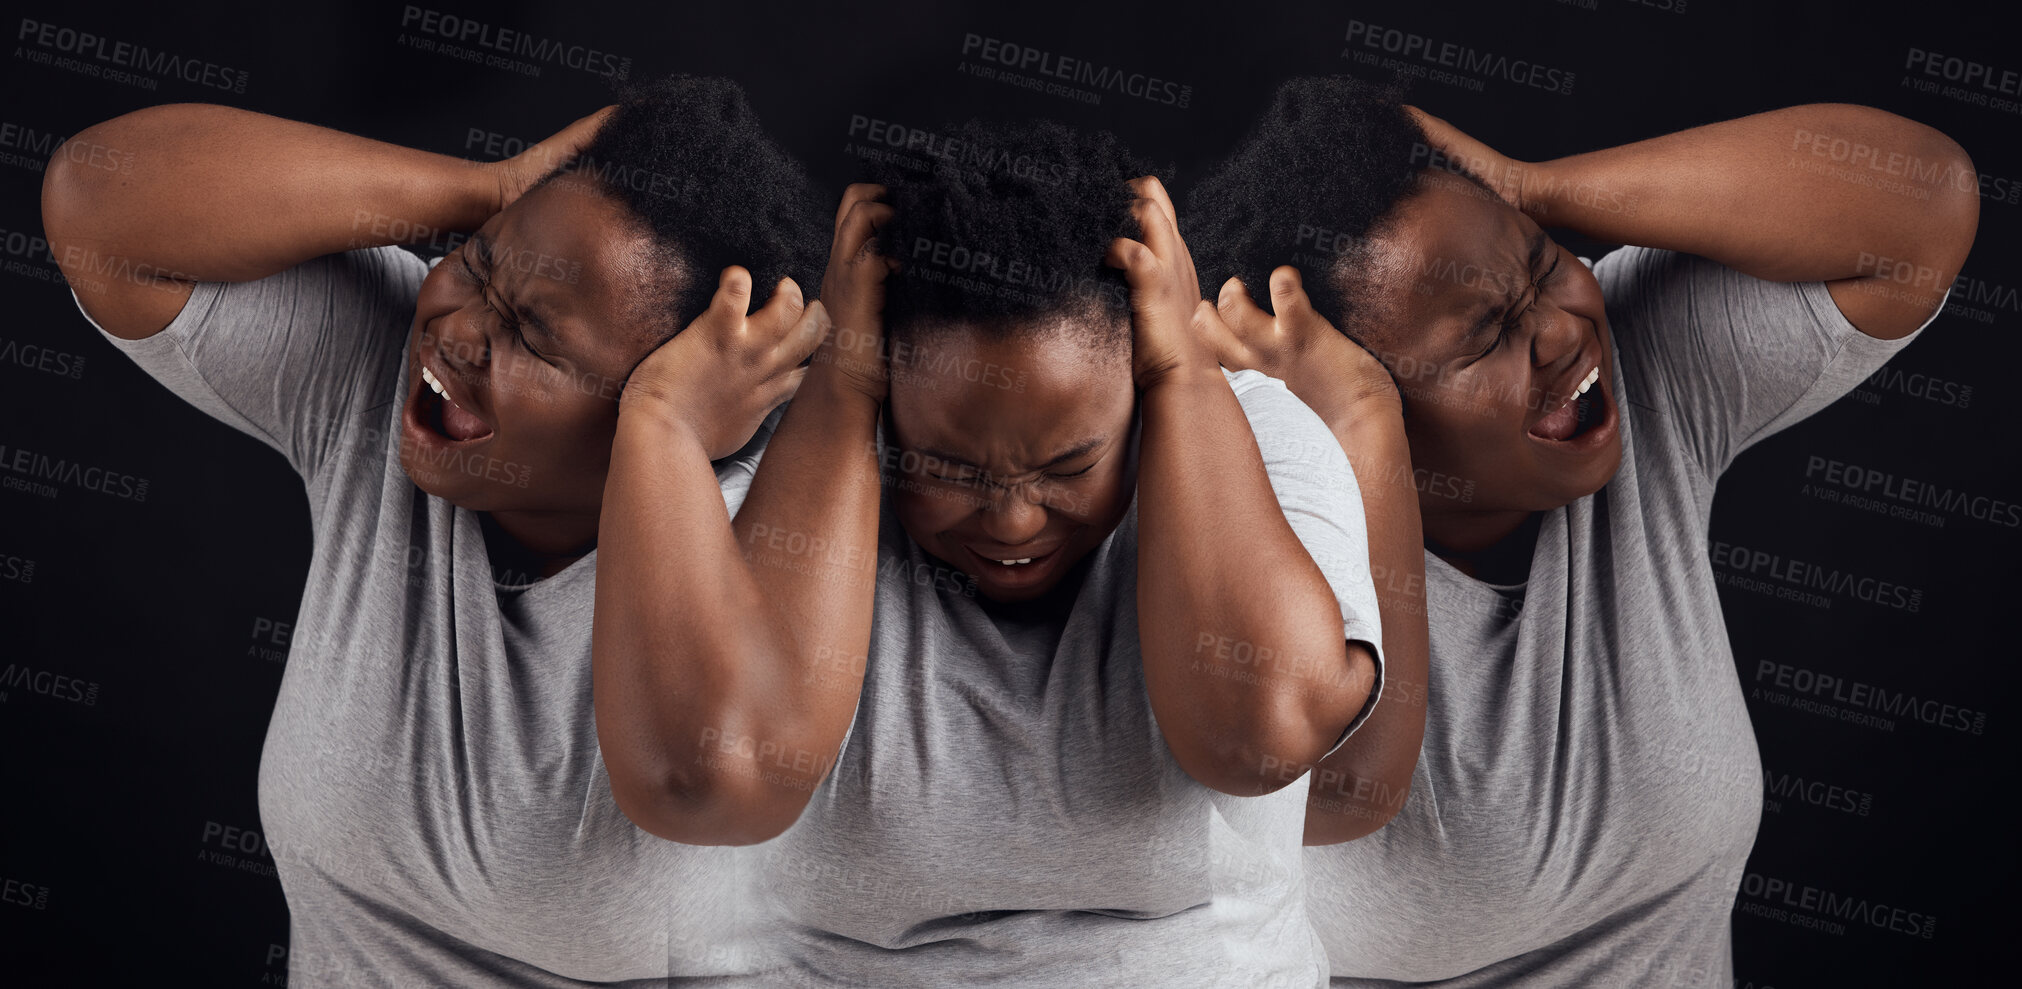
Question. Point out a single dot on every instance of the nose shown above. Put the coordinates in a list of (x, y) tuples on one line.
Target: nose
[(462, 340), (1015, 515), (1560, 335)]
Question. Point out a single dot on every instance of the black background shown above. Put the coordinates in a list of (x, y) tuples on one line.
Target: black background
[(115, 788)]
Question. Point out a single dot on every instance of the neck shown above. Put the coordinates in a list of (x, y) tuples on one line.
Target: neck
[(1492, 546), (540, 543)]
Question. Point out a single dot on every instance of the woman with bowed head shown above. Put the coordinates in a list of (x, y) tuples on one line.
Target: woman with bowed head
[(1070, 605)]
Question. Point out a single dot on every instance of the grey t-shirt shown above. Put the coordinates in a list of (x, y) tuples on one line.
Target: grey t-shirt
[(1589, 787), (431, 786), (1005, 811)]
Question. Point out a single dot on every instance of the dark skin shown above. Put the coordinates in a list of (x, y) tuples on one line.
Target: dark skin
[(1503, 326), (1362, 785), (1724, 191), (1482, 323), (532, 326), (1046, 473), (538, 352), (680, 666)]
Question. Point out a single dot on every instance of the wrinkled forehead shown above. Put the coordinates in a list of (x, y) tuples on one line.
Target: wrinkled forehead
[(573, 252), (1451, 260), (961, 384)]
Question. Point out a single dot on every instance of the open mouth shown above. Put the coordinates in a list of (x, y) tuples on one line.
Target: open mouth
[(1580, 414), (1012, 571), (438, 412)]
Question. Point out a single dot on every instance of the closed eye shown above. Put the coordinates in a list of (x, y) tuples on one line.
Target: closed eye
[(1538, 285), (511, 321)]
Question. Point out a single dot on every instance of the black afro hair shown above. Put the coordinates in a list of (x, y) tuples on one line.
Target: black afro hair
[(1322, 172), (687, 157), (1006, 231)]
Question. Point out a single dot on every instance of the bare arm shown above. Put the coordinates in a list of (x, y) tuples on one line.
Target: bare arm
[(1363, 784), (724, 652), (1216, 556), (1879, 207), (196, 192)]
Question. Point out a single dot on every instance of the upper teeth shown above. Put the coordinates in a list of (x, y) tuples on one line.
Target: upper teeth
[(436, 386), (1587, 382), (1013, 563)]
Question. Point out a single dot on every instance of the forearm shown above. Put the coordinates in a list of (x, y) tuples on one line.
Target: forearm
[(213, 193), (1363, 784), (1808, 193), (1218, 565), (690, 672), (808, 534)]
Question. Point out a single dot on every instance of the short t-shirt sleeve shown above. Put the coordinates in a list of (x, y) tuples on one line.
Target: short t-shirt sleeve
[(1723, 360), (289, 358), (1316, 489)]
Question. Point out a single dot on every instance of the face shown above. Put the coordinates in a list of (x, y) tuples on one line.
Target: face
[(526, 332), (1012, 451), (1491, 330)]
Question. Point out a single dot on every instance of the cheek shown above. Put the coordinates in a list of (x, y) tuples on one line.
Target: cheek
[(927, 508), (1456, 438), (558, 429)]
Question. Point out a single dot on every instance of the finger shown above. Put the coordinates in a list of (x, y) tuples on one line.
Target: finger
[(570, 140), (784, 386), (1136, 260), (1288, 297), (859, 235), (856, 193), (807, 333), (1155, 219), (1241, 312), (1149, 187), (782, 309), (1208, 323), (732, 299)]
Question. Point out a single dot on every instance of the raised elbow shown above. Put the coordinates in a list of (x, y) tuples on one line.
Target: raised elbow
[(1297, 712), (707, 808)]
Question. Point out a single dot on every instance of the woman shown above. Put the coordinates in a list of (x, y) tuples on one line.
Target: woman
[(1121, 601), (430, 784), (1589, 786)]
